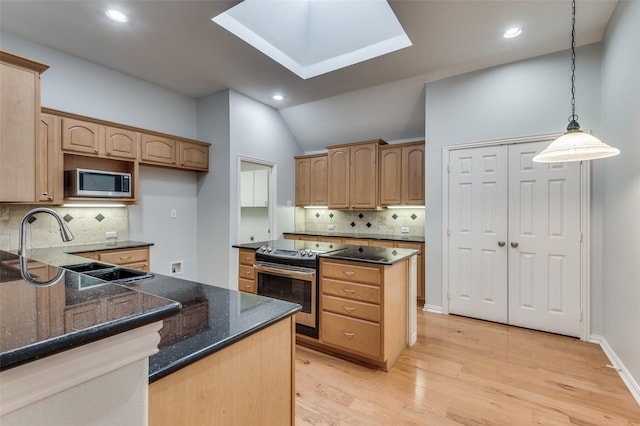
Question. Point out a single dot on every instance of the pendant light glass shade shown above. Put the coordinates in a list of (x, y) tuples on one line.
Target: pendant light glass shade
[(574, 145)]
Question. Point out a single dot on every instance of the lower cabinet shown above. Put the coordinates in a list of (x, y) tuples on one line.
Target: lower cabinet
[(250, 382), (363, 310), (246, 274), (85, 315), (135, 258)]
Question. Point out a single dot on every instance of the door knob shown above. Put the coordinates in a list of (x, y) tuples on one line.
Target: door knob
[(501, 243), (514, 244)]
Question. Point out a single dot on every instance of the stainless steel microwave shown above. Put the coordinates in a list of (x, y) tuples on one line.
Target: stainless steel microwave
[(96, 183)]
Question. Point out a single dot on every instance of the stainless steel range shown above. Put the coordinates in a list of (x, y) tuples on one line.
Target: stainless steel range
[(286, 269)]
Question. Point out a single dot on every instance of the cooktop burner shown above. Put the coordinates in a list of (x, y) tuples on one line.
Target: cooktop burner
[(295, 251)]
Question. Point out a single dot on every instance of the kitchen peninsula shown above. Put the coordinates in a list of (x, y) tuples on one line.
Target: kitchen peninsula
[(212, 339)]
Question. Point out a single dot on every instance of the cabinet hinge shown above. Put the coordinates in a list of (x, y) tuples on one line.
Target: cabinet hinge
[(448, 232), (580, 236), (448, 168), (448, 296)]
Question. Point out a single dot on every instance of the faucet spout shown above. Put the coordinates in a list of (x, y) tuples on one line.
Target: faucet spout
[(65, 232)]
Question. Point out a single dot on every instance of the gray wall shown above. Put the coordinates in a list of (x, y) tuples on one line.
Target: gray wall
[(530, 97), (621, 221)]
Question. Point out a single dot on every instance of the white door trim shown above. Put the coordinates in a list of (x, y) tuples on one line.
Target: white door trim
[(585, 203), (272, 193)]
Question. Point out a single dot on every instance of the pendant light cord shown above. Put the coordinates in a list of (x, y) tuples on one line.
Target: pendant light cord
[(573, 117)]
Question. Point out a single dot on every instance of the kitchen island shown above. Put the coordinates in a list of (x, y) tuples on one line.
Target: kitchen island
[(214, 365)]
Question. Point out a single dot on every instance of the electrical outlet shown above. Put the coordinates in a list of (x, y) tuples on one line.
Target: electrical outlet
[(331, 227), (173, 214), (405, 230), (111, 234)]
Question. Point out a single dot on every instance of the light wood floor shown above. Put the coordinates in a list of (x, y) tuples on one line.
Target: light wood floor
[(470, 372)]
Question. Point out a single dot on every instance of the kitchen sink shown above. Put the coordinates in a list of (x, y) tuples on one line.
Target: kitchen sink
[(110, 273)]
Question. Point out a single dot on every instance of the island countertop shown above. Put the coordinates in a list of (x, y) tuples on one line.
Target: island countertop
[(360, 235), (37, 321)]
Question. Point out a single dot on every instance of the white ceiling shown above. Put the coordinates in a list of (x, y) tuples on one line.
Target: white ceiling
[(174, 43)]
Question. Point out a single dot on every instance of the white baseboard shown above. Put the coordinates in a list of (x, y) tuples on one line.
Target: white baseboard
[(433, 309), (626, 376)]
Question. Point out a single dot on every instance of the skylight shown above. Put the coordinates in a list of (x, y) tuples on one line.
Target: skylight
[(313, 37)]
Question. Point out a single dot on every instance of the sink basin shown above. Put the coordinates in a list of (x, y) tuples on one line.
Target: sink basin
[(110, 273)]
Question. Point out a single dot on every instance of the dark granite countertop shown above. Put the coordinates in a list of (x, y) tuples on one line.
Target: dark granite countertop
[(115, 245), (213, 318), (408, 238), (35, 320), (368, 254)]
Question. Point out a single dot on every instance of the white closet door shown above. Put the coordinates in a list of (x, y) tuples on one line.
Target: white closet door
[(544, 227), (477, 223)]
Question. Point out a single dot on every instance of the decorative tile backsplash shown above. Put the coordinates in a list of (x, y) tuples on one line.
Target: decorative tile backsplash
[(88, 225), (386, 222)]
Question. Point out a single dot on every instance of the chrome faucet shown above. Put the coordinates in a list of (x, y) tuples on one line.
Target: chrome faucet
[(65, 232)]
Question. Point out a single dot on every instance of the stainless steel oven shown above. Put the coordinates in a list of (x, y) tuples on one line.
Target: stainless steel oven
[(295, 284), (286, 269)]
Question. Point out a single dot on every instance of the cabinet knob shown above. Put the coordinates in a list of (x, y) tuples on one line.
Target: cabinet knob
[(108, 152), (49, 198), (44, 194), (501, 243), (97, 151), (514, 244), (174, 161)]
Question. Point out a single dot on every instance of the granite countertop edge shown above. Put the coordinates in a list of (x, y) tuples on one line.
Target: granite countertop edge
[(33, 352), (197, 355), (399, 238)]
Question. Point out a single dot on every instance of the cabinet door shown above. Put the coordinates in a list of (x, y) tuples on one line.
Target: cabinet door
[(121, 143), (158, 150), (48, 164), (413, 175), (193, 156), (246, 188), (19, 109), (338, 177), (318, 181), (390, 176), (261, 188), (80, 136), (303, 181), (363, 191)]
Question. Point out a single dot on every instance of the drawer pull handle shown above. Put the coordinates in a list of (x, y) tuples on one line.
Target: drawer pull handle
[(348, 334), (349, 308), (125, 257), (247, 259), (349, 273), (247, 272), (348, 290)]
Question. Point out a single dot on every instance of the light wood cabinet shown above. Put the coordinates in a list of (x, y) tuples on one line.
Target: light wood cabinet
[(89, 314), (402, 174), (246, 273), (163, 151), (49, 161), (250, 382), (311, 180), (89, 138), (135, 258), (363, 309), (353, 175), (19, 128)]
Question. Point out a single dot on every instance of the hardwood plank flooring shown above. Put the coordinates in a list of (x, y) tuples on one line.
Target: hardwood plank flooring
[(469, 372)]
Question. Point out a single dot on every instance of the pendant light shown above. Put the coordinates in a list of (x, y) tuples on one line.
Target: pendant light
[(575, 144)]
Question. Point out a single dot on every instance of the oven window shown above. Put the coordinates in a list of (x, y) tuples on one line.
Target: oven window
[(285, 288)]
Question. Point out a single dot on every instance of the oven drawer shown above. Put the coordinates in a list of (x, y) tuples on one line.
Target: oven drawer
[(350, 272), (361, 292), (246, 272), (351, 308), (248, 286), (354, 335)]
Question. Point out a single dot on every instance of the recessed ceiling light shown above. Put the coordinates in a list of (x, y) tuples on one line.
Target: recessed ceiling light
[(278, 97), (116, 15), (512, 32)]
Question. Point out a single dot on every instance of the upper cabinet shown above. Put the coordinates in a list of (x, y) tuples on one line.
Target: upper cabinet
[(402, 174), (162, 151), (254, 188), (49, 161), (88, 138), (353, 175), (19, 127), (311, 180)]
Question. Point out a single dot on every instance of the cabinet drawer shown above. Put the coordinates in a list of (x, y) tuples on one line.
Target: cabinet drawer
[(354, 335), (247, 257), (353, 291), (248, 286), (351, 273), (125, 256), (351, 308), (246, 272)]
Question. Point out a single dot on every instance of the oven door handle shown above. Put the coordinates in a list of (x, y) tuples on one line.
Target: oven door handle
[(284, 272)]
